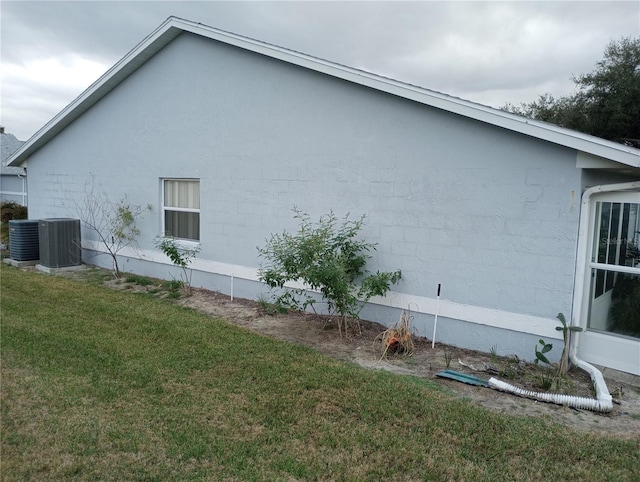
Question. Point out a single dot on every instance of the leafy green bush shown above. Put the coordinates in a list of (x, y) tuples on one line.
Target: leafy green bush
[(10, 210), (327, 257), (180, 255), (269, 308)]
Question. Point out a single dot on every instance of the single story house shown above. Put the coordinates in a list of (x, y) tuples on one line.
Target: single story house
[(223, 135), (13, 184)]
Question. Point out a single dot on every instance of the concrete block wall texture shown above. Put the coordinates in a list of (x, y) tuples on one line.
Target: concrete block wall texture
[(488, 213)]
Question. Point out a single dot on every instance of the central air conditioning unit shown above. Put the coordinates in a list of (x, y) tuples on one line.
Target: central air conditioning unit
[(60, 242), (24, 244)]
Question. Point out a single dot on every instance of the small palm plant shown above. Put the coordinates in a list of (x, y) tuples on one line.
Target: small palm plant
[(546, 348)]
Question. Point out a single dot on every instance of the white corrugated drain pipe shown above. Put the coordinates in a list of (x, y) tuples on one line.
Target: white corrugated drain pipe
[(603, 401)]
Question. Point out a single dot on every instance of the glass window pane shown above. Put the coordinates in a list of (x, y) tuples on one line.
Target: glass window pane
[(630, 252), (617, 234), (613, 241), (610, 280), (182, 194), (182, 225), (599, 279), (617, 310), (603, 238), (596, 236), (170, 193), (625, 307)]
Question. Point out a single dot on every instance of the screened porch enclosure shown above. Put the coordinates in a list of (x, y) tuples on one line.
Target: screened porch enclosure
[(615, 269)]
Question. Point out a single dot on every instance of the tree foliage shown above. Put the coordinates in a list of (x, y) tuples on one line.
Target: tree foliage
[(607, 102), (327, 257)]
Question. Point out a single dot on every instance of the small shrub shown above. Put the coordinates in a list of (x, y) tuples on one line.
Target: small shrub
[(509, 367), (180, 255), (10, 210), (448, 356), (554, 378), (114, 223), (327, 257), (508, 371), (269, 308), (398, 338), (547, 378), (494, 354), (174, 284)]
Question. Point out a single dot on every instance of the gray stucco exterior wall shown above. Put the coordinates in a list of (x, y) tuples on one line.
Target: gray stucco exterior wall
[(490, 214)]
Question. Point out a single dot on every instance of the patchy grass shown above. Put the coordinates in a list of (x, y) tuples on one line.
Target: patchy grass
[(106, 385), (137, 279)]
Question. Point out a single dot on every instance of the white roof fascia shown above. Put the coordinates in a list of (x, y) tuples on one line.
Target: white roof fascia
[(173, 26)]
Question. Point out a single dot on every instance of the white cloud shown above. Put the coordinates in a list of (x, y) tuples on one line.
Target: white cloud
[(488, 52), (42, 87)]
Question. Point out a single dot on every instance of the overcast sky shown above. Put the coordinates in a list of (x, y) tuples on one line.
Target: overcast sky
[(486, 52)]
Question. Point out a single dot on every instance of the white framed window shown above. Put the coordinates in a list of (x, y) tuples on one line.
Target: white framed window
[(181, 208)]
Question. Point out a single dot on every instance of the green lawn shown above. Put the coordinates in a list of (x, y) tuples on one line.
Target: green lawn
[(106, 385)]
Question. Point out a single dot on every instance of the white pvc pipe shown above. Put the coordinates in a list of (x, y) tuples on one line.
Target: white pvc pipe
[(24, 188), (602, 392), (435, 323), (597, 405), (231, 286)]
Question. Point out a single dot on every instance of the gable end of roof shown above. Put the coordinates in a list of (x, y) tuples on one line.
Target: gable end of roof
[(174, 26)]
